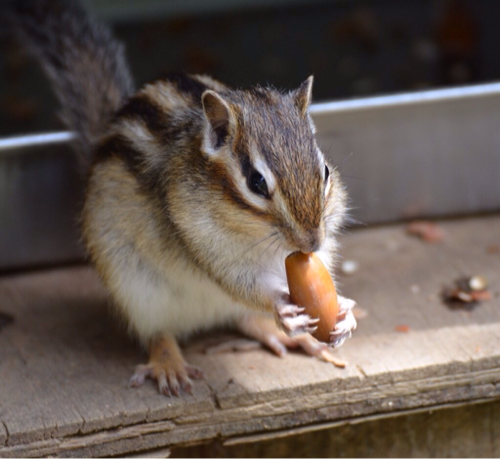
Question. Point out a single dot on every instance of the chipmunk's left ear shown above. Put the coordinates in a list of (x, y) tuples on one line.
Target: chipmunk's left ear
[(303, 95)]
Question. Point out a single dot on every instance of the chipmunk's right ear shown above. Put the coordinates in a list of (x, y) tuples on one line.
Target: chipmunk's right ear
[(220, 120)]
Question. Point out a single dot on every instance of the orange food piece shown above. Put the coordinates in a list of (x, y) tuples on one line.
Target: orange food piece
[(312, 288)]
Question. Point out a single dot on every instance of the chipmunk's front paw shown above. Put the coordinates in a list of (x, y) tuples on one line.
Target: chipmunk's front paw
[(168, 368), (293, 322), (346, 322)]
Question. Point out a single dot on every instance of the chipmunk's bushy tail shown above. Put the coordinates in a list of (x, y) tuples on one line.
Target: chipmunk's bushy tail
[(86, 64)]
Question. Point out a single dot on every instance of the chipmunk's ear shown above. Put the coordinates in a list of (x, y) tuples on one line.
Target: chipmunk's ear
[(220, 120), (303, 95)]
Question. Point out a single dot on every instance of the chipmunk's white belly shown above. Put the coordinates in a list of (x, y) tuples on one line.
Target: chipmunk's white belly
[(179, 301)]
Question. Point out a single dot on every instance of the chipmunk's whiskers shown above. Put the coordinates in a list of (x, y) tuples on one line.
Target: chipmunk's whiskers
[(276, 238), (274, 233)]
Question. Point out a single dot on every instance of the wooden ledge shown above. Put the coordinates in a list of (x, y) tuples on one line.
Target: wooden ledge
[(64, 366)]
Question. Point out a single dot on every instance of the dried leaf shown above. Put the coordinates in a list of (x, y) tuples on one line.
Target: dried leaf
[(483, 295), (493, 249), (427, 231)]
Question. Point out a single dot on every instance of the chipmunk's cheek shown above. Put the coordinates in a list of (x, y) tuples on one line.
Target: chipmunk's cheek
[(326, 252), (273, 282), (324, 239)]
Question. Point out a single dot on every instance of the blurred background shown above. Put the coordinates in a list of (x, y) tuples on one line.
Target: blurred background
[(431, 152), (353, 48)]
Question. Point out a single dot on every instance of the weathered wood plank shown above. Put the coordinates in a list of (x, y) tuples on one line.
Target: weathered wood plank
[(133, 438), (388, 398), (429, 375), (76, 358), (256, 376), (65, 365), (391, 262), (375, 360)]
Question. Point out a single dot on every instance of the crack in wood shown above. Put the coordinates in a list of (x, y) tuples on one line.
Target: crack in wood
[(7, 435), (354, 420)]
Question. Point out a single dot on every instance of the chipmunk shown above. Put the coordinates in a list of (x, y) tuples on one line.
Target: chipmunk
[(196, 194)]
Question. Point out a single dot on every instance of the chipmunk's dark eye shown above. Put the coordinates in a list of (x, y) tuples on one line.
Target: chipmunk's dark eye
[(258, 184), (327, 173)]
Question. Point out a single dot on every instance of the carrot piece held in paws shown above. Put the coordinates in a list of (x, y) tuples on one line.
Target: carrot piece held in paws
[(312, 288)]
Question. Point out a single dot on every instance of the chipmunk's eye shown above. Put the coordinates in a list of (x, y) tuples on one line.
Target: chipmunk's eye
[(327, 173), (258, 184)]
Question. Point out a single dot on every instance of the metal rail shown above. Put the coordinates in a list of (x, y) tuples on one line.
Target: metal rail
[(413, 98), (34, 140)]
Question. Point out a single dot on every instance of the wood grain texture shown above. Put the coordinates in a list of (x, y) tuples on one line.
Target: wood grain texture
[(65, 364)]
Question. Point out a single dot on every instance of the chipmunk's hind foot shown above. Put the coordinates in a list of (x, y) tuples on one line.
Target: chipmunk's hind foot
[(266, 331), (168, 368)]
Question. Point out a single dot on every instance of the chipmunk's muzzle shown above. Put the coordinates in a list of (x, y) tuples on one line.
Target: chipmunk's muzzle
[(311, 240)]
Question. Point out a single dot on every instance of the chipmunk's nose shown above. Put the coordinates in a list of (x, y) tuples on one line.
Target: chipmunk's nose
[(312, 240)]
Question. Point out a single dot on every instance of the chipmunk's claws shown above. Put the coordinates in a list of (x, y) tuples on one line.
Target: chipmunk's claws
[(168, 369), (301, 323), (345, 325), (290, 310)]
